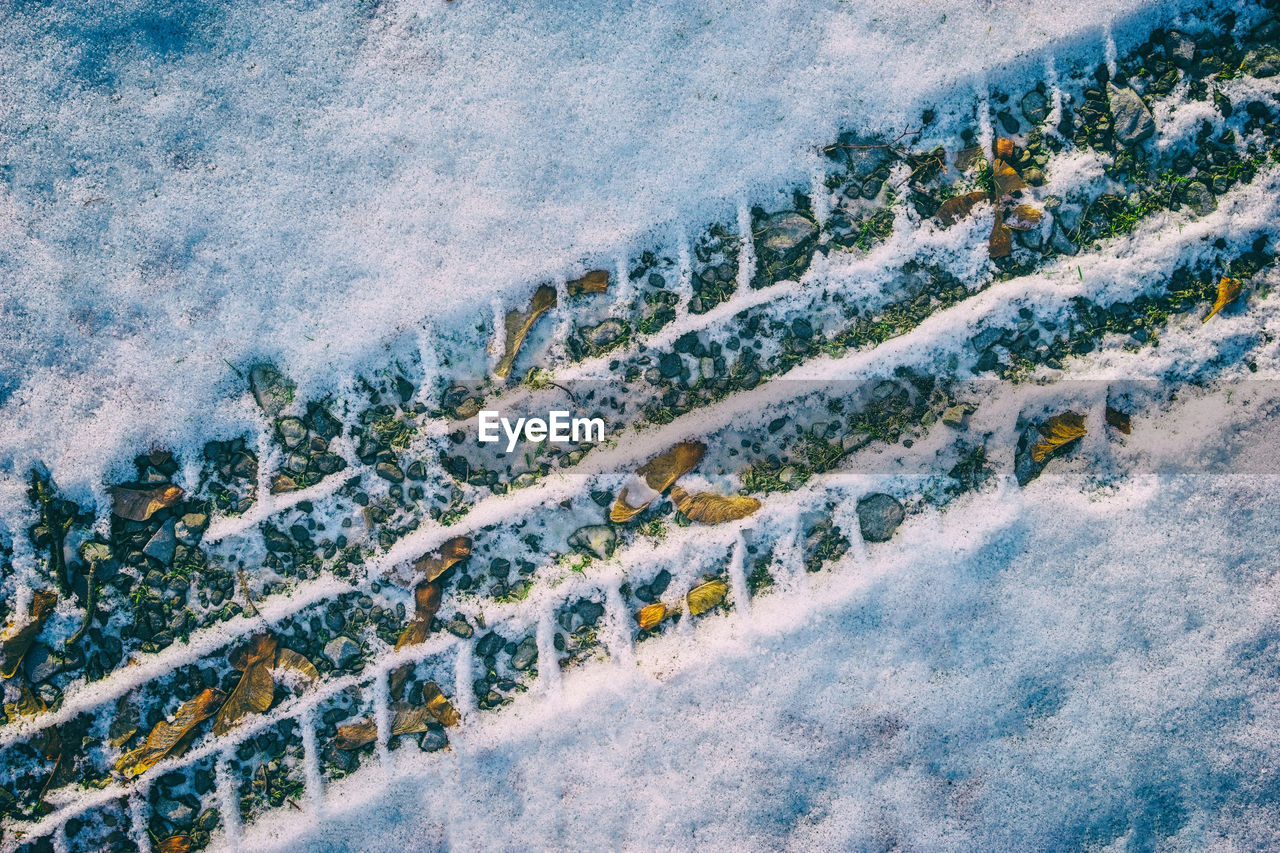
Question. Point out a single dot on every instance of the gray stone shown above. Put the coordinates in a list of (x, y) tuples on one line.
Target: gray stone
[(389, 471), (292, 431), (40, 664), (433, 740), (189, 528), (271, 389), (784, 232), (161, 545), (604, 334), (1181, 50), (1133, 121), (341, 651), (1035, 106), (707, 367), (1199, 199), (176, 812), (879, 516), (670, 365), (957, 416), (985, 339), (1263, 62), (596, 539), (526, 654)]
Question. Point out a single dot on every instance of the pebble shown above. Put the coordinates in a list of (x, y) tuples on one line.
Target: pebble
[(1133, 121), (879, 516), (270, 388), (596, 539), (341, 651)]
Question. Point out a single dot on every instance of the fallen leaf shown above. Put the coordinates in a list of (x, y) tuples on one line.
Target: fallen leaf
[(1228, 291), (356, 735), (288, 659), (519, 323), (596, 281), (438, 705), (256, 687), (661, 471), (426, 599), (1058, 431), (706, 596), (443, 558), (623, 511), (1119, 420), (28, 704), (1024, 217), (174, 844), (169, 738), (710, 508), (17, 639), (1006, 178), (139, 504), (967, 158), (953, 210), (1000, 244), (651, 615)]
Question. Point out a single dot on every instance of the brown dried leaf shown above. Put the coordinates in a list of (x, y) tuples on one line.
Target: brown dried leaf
[(410, 720), (710, 508), (426, 600), (967, 158), (1004, 148), (623, 511), (168, 738), (17, 639), (28, 704), (175, 844), (257, 686), (438, 705), (706, 596), (356, 735), (1024, 217), (651, 615), (661, 471), (519, 323), (1119, 420), (953, 210), (1058, 431), (1228, 291), (596, 281), (294, 662), (1001, 243), (1007, 179), (139, 504), (443, 558)]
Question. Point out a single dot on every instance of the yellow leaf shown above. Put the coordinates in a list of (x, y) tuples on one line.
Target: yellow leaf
[(651, 615), (596, 281), (710, 508), (28, 704), (1004, 148), (953, 210), (175, 844), (256, 688), (443, 558), (438, 705), (519, 323), (294, 662), (1228, 291), (1024, 218), (17, 639), (356, 735), (661, 471), (139, 504), (1058, 431), (168, 738), (706, 596), (426, 600), (623, 511), (1000, 244), (1006, 178)]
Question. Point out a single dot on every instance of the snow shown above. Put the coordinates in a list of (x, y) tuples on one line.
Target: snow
[(189, 189), (1086, 666)]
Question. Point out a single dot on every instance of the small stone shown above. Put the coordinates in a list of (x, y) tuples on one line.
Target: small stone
[(459, 627), (1200, 199), (1263, 62), (526, 654), (190, 526), (1035, 106), (292, 431), (707, 367), (1133, 121), (40, 664), (879, 516), (270, 388), (1180, 49), (596, 539), (604, 334), (957, 416), (433, 740), (670, 365), (341, 651), (161, 545), (389, 471), (785, 232)]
